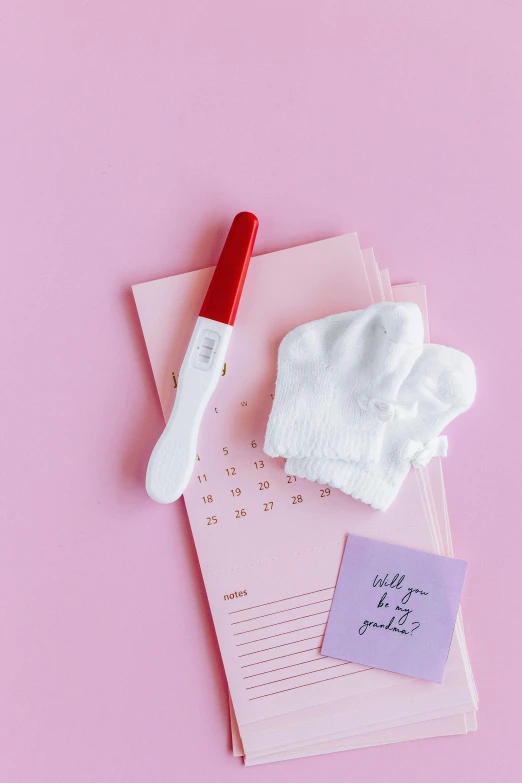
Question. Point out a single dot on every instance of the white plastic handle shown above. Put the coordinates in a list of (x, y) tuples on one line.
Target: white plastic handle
[(172, 460)]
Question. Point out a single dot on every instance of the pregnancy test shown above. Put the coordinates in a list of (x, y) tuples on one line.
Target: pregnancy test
[(172, 460)]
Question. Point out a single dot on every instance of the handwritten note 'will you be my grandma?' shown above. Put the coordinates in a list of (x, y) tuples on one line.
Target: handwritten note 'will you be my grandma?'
[(394, 608)]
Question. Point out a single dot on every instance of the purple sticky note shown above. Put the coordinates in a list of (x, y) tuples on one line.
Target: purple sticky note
[(394, 608)]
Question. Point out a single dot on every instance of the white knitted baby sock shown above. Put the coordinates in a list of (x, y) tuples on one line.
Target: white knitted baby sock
[(338, 380), (442, 383)]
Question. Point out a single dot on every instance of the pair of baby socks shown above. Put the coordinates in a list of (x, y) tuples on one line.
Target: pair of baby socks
[(359, 399)]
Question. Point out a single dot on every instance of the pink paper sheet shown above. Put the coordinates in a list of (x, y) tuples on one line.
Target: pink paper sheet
[(279, 545)]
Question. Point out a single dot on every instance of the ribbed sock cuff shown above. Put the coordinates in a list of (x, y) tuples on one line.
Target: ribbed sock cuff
[(363, 481), (359, 438)]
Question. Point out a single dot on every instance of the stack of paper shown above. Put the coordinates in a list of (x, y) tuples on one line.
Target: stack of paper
[(270, 545)]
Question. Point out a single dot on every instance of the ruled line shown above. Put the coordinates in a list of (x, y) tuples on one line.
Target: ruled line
[(289, 666), (293, 676), (281, 622), (266, 649), (277, 657), (295, 630), (280, 611), (307, 684), (290, 598)]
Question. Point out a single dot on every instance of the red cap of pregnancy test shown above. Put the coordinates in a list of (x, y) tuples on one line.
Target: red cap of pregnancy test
[(226, 286)]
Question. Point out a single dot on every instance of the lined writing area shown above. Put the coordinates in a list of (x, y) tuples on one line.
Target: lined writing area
[(279, 642)]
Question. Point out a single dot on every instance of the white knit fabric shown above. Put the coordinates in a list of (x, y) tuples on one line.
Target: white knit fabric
[(442, 384), (338, 380)]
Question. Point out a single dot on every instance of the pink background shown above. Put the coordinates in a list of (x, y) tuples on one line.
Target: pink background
[(131, 134)]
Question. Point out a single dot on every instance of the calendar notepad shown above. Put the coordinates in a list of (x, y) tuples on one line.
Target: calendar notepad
[(270, 545)]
